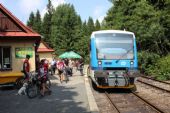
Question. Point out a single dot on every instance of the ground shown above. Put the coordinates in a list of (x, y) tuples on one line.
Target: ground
[(65, 98)]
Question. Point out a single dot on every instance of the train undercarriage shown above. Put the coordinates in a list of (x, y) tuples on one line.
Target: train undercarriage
[(105, 79)]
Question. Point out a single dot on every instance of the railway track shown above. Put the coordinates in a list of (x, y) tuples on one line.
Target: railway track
[(155, 92), (150, 78), (147, 100), (112, 103), (161, 85), (131, 103)]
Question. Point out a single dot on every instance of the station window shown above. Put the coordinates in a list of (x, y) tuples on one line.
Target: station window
[(5, 58)]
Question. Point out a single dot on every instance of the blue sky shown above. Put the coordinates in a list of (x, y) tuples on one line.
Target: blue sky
[(97, 9)]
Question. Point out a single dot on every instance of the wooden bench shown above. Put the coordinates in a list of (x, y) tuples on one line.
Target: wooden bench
[(10, 77)]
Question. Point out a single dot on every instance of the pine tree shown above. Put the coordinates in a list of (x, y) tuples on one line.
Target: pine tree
[(97, 25), (50, 8), (30, 21), (63, 31), (90, 26), (46, 29), (37, 22)]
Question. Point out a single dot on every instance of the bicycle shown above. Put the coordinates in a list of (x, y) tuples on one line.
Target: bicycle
[(34, 85), (20, 81)]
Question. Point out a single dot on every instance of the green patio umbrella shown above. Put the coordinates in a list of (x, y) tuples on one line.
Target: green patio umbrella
[(72, 54), (64, 55)]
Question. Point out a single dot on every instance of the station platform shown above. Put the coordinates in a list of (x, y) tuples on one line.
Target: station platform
[(72, 97), (76, 95)]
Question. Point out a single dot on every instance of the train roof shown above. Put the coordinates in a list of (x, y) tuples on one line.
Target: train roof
[(111, 31)]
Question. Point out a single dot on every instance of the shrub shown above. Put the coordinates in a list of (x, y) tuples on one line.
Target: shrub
[(146, 61), (162, 68)]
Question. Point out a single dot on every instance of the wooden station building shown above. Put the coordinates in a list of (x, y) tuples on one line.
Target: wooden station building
[(16, 40)]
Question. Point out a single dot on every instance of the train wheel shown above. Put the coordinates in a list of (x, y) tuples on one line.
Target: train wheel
[(132, 79)]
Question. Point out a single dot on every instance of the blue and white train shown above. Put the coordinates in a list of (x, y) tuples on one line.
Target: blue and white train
[(113, 59)]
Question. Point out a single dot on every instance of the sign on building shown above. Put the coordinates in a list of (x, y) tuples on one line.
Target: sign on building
[(21, 52)]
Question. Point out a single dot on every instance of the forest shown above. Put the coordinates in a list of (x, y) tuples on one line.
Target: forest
[(63, 29)]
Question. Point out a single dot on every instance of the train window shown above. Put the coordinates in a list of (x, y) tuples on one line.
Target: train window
[(114, 46)]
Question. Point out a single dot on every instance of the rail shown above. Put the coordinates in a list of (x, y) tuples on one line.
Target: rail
[(110, 100), (148, 103), (154, 86)]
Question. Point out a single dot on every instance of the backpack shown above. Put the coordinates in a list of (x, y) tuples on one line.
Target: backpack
[(60, 66)]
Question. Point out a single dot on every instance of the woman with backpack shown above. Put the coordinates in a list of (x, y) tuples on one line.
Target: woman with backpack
[(60, 67)]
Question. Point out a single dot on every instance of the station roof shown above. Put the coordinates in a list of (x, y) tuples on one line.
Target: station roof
[(11, 26), (43, 47)]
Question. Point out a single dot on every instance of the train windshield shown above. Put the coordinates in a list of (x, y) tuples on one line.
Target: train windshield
[(114, 46)]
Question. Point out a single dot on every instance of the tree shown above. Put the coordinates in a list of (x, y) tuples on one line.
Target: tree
[(50, 8), (46, 29), (90, 26), (63, 28), (159, 4), (30, 21), (37, 22), (130, 15), (82, 44), (97, 25)]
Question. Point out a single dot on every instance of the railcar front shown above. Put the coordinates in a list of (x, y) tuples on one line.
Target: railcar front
[(113, 59)]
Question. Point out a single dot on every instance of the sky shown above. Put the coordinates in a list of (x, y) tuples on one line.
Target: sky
[(96, 9)]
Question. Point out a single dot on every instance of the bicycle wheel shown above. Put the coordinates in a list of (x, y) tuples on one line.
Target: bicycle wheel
[(32, 91), (19, 83), (48, 82)]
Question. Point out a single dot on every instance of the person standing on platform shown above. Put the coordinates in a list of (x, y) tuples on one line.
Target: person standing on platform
[(43, 76), (26, 68), (60, 67), (53, 66)]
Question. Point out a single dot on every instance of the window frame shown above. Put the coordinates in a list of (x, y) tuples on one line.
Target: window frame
[(2, 59)]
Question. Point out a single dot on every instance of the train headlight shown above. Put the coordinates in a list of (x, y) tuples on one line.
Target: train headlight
[(99, 62), (131, 62)]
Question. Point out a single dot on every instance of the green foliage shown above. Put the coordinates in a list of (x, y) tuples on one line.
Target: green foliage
[(148, 19), (97, 25), (50, 8), (152, 64), (144, 20), (30, 22), (146, 60), (35, 22), (161, 70), (46, 31), (90, 26), (63, 28), (82, 44)]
